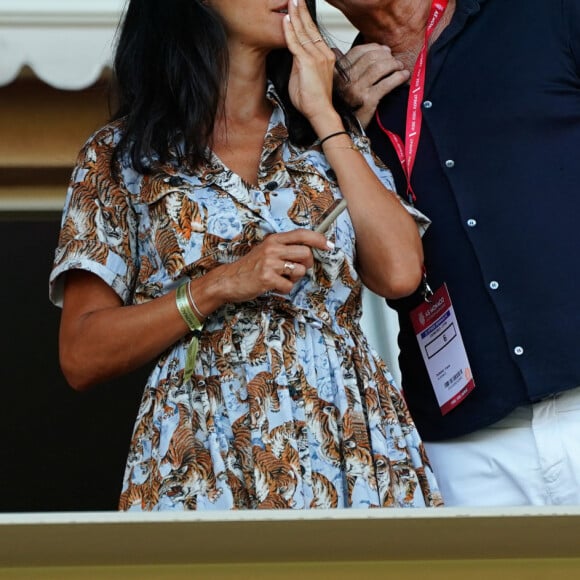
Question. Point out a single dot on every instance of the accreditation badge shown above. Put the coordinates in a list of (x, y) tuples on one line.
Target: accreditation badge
[(442, 348)]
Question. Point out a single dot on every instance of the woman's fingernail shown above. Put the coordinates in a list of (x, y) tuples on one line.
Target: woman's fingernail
[(295, 2), (330, 245)]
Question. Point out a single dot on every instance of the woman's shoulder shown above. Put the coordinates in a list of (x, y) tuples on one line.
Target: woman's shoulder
[(99, 156), (100, 151), (107, 137)]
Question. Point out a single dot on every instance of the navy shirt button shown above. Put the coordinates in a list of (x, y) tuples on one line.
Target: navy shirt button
[(494, 285), (471, 223), (272, 185), (427, 104), (450, 163), (518, 350)]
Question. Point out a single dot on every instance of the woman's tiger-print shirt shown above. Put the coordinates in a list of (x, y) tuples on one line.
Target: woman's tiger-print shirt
[(288, 406)]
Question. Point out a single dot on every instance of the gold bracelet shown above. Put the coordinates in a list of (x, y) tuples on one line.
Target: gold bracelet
[(194, 325), (185, 309), (194, 303)]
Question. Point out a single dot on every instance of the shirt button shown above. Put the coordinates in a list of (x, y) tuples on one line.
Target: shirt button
[(450, 163), (427, 104), (272, 185), (471, 223), (518, 350), (494, 285)]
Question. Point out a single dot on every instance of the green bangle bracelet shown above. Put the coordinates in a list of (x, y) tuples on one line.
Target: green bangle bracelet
[(194, 325)]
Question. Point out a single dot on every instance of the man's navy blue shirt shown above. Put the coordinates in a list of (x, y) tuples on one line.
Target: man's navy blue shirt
[(498, 173)]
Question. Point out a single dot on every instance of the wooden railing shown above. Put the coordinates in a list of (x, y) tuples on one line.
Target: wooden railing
[(447, 543)]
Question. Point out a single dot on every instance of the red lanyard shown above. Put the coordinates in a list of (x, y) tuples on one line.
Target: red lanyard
[(407, 151)]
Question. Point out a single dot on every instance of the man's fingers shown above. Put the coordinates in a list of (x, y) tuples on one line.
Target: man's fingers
[(363, 50), (373, 66), (388, 83), (369, 72), (338, 53), (363, 56)]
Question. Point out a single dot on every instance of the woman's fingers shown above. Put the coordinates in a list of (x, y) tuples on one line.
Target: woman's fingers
[(302, 30), (293, 271), (302, 237), (292, 40), (295, 17), (283, 251), (306, 30), (276, 264)]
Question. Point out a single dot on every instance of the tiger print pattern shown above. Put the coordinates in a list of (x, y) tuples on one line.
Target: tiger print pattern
[(288, 406)]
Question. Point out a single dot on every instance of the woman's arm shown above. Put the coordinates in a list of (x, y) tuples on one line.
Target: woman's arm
[(389, 250), (100, 338)]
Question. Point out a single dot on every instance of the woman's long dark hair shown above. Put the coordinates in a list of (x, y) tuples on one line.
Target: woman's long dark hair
[(170, 69)]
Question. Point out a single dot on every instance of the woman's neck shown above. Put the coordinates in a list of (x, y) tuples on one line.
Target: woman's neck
[(245, 97), (243, 118)]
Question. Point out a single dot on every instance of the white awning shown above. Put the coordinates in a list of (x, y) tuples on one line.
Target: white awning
[(68, 43)]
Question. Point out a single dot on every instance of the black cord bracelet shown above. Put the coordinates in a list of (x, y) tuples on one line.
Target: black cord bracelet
[(321, 141)]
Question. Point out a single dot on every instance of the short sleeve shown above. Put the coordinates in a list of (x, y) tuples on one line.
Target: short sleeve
[(98, 227), (386, 177)]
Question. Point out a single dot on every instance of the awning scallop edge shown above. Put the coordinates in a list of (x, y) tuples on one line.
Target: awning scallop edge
[(68, 43)]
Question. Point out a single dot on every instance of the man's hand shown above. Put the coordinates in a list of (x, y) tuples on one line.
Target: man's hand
[(371, 73)]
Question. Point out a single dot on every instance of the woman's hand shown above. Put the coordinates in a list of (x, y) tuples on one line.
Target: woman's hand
[(311, 79), (276, 264), (100, 338)]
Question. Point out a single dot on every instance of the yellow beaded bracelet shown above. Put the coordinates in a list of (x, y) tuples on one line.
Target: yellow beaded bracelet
[(194, 325)]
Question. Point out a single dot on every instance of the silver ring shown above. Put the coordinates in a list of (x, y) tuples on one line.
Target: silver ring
[(288, 268)]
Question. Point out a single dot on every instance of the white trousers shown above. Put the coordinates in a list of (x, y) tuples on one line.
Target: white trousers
[(532, 457)]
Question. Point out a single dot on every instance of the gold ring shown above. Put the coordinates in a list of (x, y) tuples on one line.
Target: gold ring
[(288, 268), (314, 41)]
